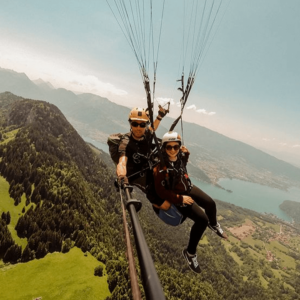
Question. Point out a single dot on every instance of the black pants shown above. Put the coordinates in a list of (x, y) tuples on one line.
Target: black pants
[(201, 218)]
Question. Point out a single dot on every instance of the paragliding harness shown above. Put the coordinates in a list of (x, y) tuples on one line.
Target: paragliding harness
[(178, 171), (172, 216), (113, 143), (142, 178)]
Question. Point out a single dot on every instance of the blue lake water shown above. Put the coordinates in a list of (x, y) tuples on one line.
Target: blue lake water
[(260, 198), (99, 145)]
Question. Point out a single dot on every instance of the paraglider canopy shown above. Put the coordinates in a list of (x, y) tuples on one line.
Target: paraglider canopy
[(142, 22)]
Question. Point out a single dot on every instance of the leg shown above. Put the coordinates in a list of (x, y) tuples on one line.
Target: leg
[(206, 202), (209, 205), (195, 213)]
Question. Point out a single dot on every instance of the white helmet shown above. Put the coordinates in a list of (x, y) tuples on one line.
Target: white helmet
[(171, 136)]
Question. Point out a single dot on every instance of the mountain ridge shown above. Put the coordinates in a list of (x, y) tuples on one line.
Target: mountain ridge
[(215, 155)]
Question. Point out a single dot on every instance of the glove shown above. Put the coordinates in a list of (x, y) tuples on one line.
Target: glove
[(162, 112), (122, 179)]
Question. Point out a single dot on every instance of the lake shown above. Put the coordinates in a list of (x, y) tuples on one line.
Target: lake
[(99, 145), (260, 198)]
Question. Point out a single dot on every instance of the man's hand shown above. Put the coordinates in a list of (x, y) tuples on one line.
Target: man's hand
[(122, 179), (162, 112)]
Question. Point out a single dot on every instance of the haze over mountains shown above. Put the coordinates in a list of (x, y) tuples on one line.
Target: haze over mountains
[(214, 156)]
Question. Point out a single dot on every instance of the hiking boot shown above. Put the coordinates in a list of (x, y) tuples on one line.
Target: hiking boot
[(218, 230), (192, 261)]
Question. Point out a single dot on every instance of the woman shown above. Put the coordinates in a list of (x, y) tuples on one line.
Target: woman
[(174, 185)]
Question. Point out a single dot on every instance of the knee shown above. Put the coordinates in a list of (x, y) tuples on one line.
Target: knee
[(211, 204)]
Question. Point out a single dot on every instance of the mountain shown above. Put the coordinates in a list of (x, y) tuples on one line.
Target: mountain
[(221, 157), (214, 156), (44, 85), (57, 197), (56, 191), (19, 84), (292, 209)]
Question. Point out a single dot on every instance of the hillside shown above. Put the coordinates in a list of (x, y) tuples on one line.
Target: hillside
[(56, 193), (292, 208), (57, 197), (214, 156)]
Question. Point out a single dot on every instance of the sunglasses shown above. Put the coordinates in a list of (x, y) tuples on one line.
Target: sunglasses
[(175, 147), (136, 124)]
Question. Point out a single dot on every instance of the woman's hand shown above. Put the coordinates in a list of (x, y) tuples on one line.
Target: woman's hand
[(184, 149), (187, 200)]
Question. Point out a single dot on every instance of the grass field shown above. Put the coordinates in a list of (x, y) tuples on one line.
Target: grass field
[(204, 240), (7, 204), (276, 227), (57, 276), (9, 136), (227, 246), (280, 252), (263, 281), (295, 242)]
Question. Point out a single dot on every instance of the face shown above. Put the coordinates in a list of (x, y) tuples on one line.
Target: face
[(138, 131), (172, 153)]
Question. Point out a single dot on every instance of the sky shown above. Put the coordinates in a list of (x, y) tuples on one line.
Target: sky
[(247, 86)]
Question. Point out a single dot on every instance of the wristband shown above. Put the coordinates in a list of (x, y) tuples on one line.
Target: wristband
[(158, 118)]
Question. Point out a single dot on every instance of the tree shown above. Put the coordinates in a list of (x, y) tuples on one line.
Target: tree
[(27, 201), (13, 254), (6, 241), (22, 226), (41, 251), (8, 218), (26, 255), (98, 271), (3, 216), (67, 244)]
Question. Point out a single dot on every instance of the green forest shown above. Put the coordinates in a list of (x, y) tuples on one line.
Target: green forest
[(292, 208), (57, 195)]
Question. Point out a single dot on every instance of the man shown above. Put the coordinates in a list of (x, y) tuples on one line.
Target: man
[(135, 148)]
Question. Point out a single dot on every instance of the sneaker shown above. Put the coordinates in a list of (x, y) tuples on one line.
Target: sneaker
[(192, 261), (218, 230)]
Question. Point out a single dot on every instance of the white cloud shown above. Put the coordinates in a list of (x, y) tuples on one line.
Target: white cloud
[(58, 71), (162, 101), (296, 146), (193, 106), (203, 111), (283, 144), (89, 84)]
